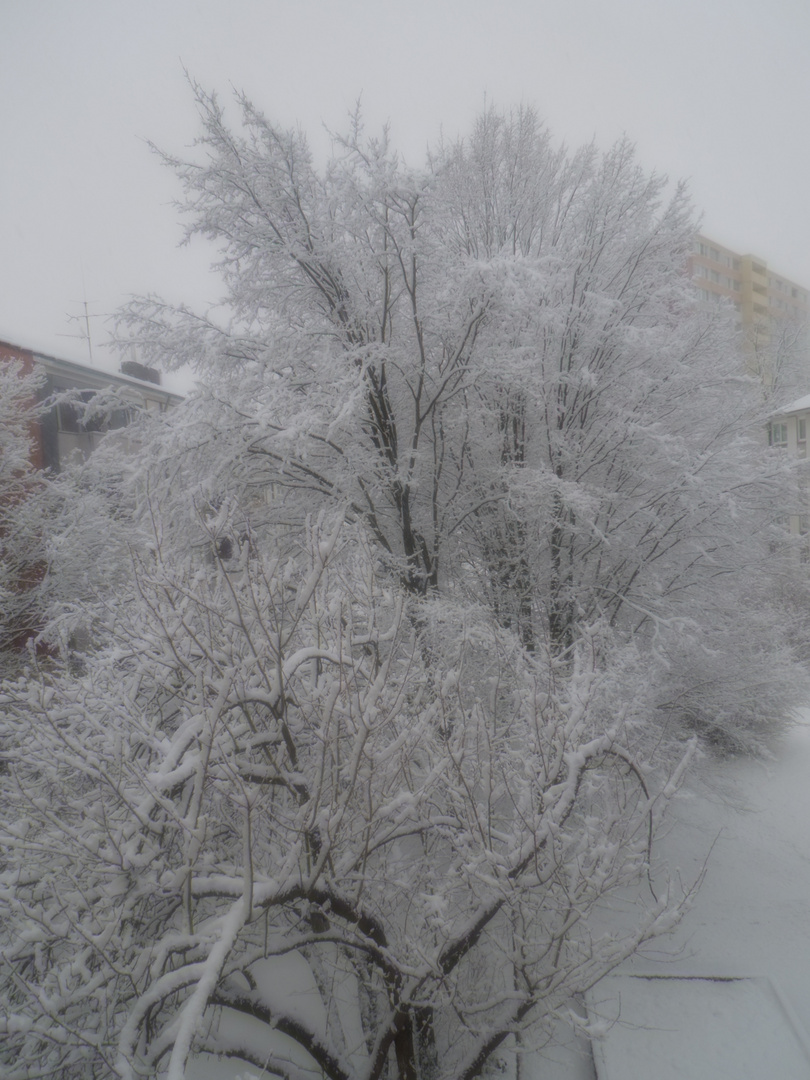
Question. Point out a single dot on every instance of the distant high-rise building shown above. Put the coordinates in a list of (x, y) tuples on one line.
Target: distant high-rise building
[(773, 311)]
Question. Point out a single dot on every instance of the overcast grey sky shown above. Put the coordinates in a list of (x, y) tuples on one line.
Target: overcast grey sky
[(715, 91)]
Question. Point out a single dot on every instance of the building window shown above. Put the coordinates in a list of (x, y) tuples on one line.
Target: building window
[(777, 435), (119, 418), (71, 418), (67, 418), (801, 427)]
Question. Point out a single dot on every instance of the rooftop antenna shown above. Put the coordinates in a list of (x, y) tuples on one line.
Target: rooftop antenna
[(83, 320)]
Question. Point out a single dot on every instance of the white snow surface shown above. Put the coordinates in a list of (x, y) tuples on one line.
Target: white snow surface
[(737, 1028), (799, 405), (750, 919), (752, 913), (749, 823)]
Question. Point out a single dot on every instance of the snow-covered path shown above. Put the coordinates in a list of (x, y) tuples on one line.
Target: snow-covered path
[(752, 913), (750, 919)]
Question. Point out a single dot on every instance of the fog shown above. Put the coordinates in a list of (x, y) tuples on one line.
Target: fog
[(713, 93)]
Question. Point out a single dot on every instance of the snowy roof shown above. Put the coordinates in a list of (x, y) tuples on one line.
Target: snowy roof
[(800, 405)]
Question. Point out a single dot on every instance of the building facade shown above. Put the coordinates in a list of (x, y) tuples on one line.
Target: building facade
[(787, 431), (773, 311), (62, 431)]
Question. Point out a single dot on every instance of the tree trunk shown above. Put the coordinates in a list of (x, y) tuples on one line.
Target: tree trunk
[(560, 604), (415, 1045)]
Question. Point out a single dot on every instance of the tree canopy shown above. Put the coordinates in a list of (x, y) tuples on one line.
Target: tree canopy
[(400, 627)]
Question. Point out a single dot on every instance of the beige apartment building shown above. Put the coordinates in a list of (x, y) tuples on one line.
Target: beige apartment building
[(774, 312), (774, 320)]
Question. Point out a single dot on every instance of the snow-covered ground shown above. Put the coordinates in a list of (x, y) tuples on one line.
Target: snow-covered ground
[(751, 917), (676, 1027), (752, 913), (748, 822)]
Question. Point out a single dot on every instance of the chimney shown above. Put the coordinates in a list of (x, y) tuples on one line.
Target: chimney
[(140, 371)]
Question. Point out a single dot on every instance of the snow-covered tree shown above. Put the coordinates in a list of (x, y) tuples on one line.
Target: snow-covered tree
[(396, 623), (779, 355), (20, 554), (498, 364), (286, 790), (63, 538)]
